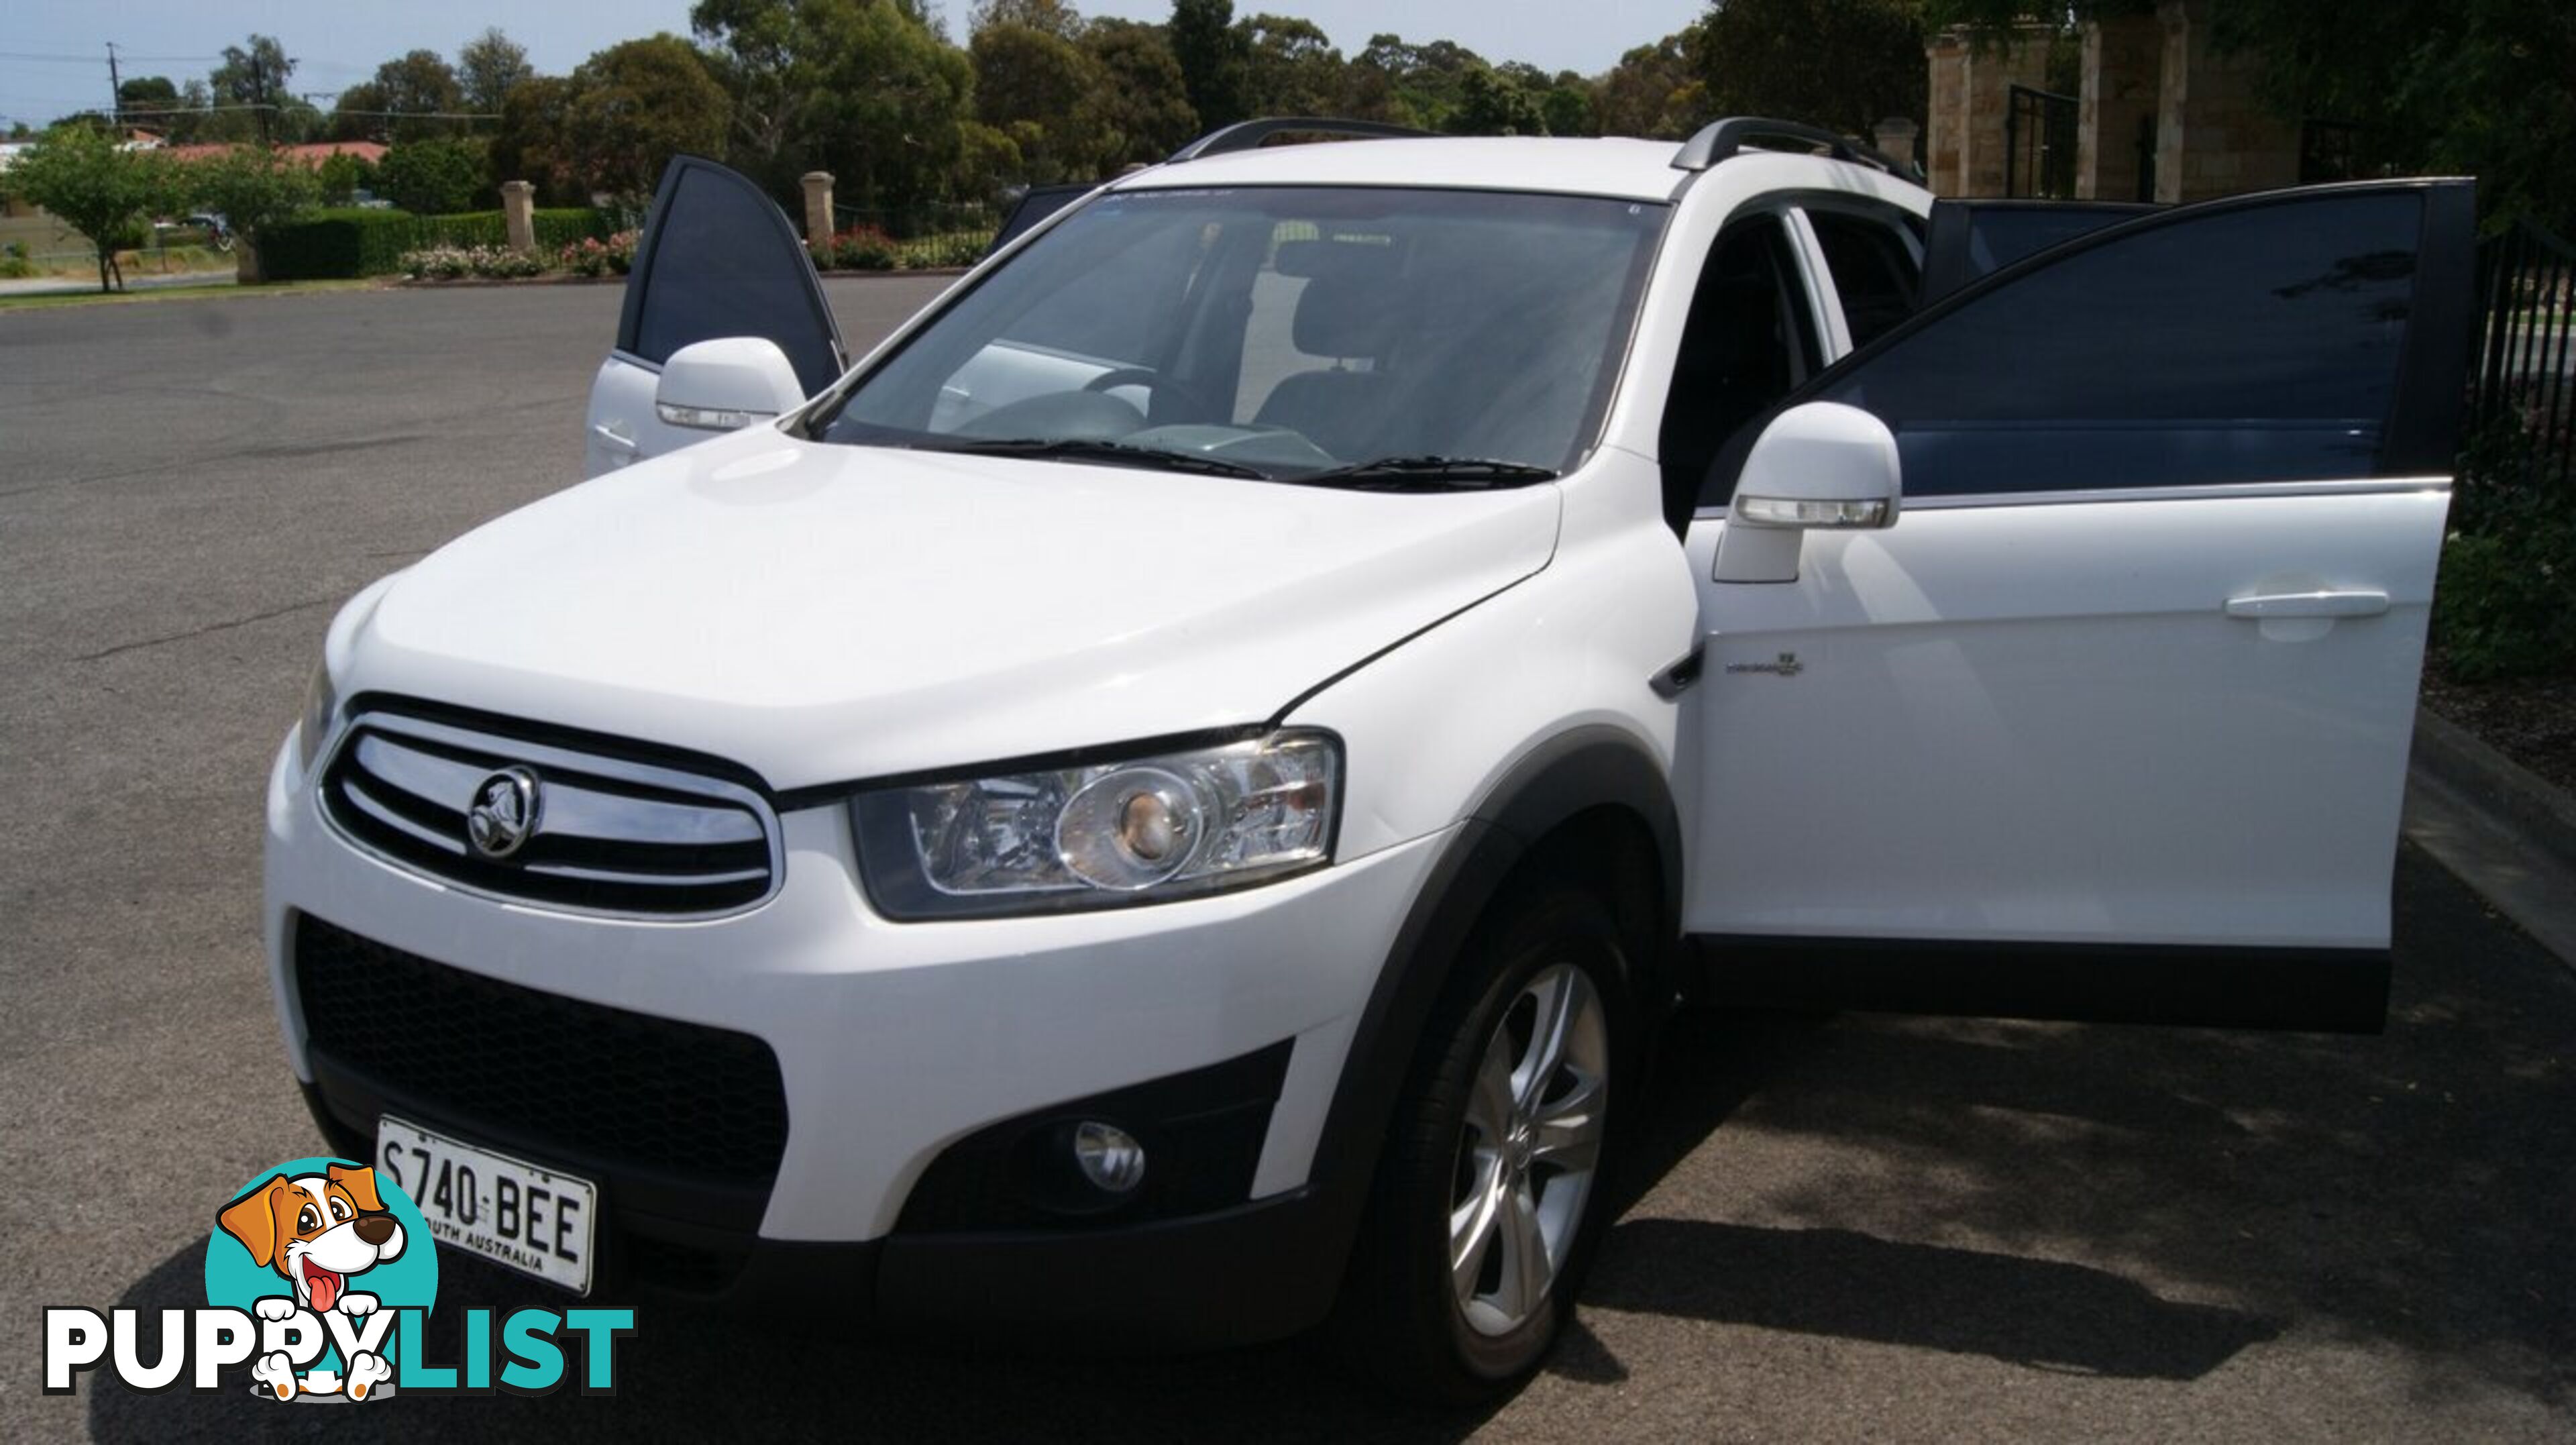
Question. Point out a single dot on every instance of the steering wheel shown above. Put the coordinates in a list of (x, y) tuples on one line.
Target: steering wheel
[(1151, 380)]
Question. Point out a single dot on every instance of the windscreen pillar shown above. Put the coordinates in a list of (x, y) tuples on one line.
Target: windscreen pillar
[(519, 214), (818, 209)]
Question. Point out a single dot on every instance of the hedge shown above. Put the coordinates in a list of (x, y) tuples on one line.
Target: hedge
[(366, 241), (358, 241)]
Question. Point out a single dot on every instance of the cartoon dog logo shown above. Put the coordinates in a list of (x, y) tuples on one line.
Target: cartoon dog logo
[(317, 1230)]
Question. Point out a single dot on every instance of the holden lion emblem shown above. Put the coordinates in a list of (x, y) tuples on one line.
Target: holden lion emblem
[(504, 812)]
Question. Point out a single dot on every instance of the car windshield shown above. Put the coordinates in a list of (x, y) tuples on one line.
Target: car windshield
[(1335, 335)]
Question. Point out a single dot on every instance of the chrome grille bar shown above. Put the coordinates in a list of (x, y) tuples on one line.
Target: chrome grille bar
[(610, 835)]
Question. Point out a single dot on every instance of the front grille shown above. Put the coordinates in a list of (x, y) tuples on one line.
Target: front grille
[(608, 834), (585, 1080)]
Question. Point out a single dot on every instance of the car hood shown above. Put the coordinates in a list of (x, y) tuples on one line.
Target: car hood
[(823, 613)]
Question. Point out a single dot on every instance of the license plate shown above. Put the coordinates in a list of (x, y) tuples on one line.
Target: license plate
[(507, 1210)]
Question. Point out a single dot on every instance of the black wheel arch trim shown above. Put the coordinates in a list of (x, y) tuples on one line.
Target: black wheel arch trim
[(1575, 772)]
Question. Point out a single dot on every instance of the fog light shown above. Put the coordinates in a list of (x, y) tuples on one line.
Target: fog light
[(1110, 1156)]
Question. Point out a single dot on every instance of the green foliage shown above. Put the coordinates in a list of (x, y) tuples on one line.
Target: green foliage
[(489, 67), (1041, 90), (93, 186), (339, 244), (860, 248), (1844, 64), (255, 190), (637, 104), (865, 89), (343, 175), (488, 263), (2506, 603), (1654, 92), (534, 140), (15, 263), (1143, 108), (433, 177), (1210, 52), (417, 87)]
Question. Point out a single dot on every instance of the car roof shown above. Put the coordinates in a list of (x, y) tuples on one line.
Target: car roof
[(1629, 169)]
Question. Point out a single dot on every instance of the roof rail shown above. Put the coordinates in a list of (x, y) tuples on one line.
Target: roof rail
[(1246, 135), (1723, 139)]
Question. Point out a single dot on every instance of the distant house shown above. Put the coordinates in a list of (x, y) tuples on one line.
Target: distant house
[(312, 155)]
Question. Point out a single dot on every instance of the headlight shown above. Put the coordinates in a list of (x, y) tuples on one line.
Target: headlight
[(321, 709), (1102, 834)]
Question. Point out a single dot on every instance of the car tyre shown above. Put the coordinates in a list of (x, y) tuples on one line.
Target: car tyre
[(1493, 1190)]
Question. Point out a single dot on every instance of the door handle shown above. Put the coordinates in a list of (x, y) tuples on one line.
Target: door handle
[(2308, 604), (616, 439)]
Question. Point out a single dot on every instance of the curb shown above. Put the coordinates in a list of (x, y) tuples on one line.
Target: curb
[(2515, 799), (2499, 827)]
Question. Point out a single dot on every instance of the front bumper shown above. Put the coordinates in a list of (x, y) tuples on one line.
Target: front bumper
[(895, 1042)]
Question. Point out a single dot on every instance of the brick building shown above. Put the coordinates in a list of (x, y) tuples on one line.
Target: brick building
[(2160, 114)]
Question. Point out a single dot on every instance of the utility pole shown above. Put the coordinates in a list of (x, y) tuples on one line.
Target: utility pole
[(115, 90), (259, 92)]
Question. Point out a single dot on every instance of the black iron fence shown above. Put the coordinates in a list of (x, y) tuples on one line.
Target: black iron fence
[(2039, 144), (2525, 384)]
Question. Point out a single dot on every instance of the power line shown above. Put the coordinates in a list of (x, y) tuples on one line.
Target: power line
[(93, 60)]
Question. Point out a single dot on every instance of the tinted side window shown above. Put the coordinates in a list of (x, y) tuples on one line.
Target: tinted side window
[(1750, 340), (2258, 344), (1875, 272), (725, 263)]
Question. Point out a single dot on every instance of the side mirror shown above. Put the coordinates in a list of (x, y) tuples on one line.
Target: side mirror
[(1818, 465), (726, 384)]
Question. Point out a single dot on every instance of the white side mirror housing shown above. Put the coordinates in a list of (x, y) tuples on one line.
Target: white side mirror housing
[(726, 384), (1821, 465)]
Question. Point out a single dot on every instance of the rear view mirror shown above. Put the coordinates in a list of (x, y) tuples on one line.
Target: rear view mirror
[(1821, 465), (726, 384)]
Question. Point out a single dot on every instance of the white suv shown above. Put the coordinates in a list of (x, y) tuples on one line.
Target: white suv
[(1174, 793)]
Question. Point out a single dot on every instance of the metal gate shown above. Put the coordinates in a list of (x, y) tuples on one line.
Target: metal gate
[(2526, 357), (2039, 144)]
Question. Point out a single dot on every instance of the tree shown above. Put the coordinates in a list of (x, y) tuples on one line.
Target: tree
[(254, 189), (488, 68), (534, 141), (343, 175), (434, 177), (1843, 64), (418, 88), (359, 114), (865, 89), (1041, 90), (1653, 92), (1051, 17), (96, 186), (1289, 67), (1210, 52), (1144, 107), (249, 84), (637, 104), (1495, 102), (1423, 84), (151, 95)]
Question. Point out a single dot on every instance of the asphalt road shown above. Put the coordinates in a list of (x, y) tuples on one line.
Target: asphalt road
[(1850, 1228)]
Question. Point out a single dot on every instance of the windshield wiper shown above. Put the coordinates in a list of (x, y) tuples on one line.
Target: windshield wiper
[(1081, 450), (1429, 474)]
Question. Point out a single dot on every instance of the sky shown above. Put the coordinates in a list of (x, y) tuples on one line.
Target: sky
[(337, 43)]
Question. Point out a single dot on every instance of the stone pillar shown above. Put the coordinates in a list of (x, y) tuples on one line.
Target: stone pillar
[(1894, 138), (1948, 92), (2214, 135), (519, 214), (1972, 82), (818, 208), (2123, 61)]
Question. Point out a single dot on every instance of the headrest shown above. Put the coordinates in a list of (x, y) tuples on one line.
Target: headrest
[(1336, 258)]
